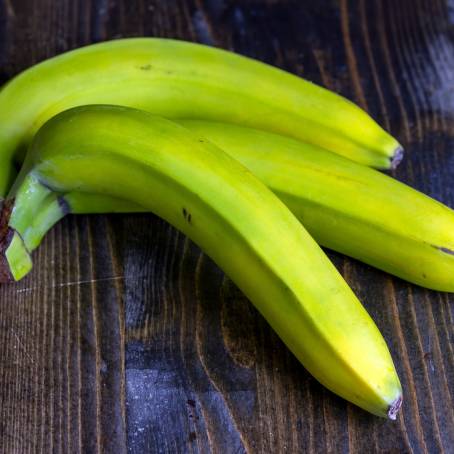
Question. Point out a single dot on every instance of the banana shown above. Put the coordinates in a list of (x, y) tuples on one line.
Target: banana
[(178, 79), (345, 206), (160, 166)]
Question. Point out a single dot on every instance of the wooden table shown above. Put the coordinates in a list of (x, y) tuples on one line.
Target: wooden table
[(127, 338)]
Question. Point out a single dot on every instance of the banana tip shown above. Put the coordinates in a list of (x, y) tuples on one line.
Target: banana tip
[(397, 157), (394, 408)]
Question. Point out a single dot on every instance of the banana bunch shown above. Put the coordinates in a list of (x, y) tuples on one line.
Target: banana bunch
[(345, 206), (90, 127), (129, 154)]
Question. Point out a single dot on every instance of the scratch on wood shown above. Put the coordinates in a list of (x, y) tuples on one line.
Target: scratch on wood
[(24, 348), (67, 284)]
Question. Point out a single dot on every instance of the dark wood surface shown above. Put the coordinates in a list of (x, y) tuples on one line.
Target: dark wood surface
[(127, 338)]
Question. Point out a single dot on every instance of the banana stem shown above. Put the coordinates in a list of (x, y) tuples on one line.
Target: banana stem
[(53, 209), (28, 201), (18, 258), (15, 261), (35, 215)]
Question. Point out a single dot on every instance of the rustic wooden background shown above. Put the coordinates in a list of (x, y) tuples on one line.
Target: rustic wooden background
[(127, 338)]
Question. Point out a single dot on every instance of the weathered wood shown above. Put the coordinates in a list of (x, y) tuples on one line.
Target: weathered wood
[(127, 338)]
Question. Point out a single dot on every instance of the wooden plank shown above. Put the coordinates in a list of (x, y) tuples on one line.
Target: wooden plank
[(127, 338)]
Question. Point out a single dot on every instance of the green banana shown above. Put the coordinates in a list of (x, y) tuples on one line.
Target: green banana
[(344, 206), (178, 79), (160, 166)]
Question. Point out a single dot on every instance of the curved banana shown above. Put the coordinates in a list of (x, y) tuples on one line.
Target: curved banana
[(238, 222), (178, 79), (348, 207), (345, 206)]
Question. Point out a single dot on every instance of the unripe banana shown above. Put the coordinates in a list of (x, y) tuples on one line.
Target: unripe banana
[(177, 79), (344, 206), (214, 200)]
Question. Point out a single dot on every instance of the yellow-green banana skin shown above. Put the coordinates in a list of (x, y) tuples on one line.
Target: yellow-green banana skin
[(238, 222), (348, 207), (178, 79), (345, 206)]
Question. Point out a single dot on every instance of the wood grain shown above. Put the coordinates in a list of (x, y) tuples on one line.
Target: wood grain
[(126, 338)]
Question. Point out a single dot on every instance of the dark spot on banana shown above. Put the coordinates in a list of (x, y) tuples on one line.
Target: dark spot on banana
[(145, 67), (64, 205), (45, 184), (444, 249), (187, 215)]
